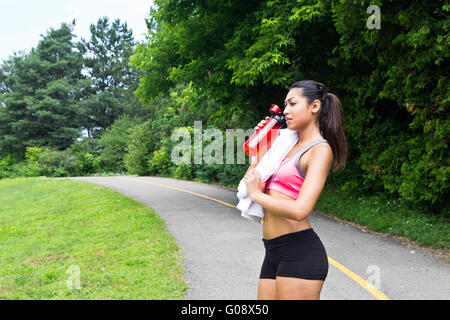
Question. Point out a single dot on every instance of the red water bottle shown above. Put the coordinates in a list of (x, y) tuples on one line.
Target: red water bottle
[(262, 139)]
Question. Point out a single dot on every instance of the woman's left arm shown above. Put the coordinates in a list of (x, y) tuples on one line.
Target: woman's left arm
[(319, 164)]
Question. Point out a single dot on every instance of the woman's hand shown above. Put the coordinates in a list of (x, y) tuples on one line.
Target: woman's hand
[(253, 182), (261, 124)]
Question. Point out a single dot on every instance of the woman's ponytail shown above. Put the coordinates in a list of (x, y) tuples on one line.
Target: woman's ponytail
[(331, 119), (331, 123)]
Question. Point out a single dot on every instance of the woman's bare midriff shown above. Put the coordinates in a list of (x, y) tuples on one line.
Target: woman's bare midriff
[(275, 226)]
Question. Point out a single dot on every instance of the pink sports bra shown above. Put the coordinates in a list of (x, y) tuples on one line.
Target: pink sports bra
[(289, 177)]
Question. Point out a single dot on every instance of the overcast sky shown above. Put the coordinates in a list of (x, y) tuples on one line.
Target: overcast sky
[(22, 22)]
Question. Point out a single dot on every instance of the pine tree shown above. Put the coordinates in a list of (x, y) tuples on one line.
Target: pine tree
[(40, 95), (112, 82)]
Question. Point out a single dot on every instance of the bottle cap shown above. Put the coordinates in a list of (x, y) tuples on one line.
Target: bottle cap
[(275, 109)]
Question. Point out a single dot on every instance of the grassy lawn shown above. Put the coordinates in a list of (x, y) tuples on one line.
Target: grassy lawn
[(387, 215), (65, 239)]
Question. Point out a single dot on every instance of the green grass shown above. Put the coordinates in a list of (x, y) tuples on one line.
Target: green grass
[(51, 229), (387, 215)]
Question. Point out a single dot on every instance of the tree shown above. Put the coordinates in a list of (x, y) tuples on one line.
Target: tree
[(110, 92), (186, 44), (40, 93), (393, 81), (396, 87)]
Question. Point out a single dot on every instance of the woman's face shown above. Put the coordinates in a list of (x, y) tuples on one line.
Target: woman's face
[(297, 111)]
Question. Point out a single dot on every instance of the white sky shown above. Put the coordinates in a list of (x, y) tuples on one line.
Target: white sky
[(22, 22)]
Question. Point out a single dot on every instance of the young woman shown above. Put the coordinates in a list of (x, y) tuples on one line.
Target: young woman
[(296, 263)]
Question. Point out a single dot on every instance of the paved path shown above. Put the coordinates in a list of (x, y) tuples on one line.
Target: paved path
[(223, 251)]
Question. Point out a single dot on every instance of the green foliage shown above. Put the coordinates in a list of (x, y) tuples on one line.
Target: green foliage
[(190, 47), (88, 163), (139, 149), (88, 145), (32, 154), (392, 81), (159, 163), (48, 96), (163, 52), (11, 166), (32, 167), (39, 95), (109, 91), (397, 96), (223, 63), (59, 163), (114, 143), (183, 171), (52, 163), (180, 108), (7, 164), (162, 163)]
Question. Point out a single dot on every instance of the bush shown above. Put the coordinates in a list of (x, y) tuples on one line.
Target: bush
[(6, 165), (139, 149), (160, 162), (114, 144), (32, 167), (88, 163), (12, 167), (60, 163), (231, 174), (89, 145), (227, 174), (184, 171), (51, 163)]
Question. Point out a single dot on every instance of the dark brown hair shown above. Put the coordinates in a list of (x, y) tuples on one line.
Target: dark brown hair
[(331, 118)]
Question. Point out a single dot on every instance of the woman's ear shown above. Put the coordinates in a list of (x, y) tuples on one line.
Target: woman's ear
[(315, 106)]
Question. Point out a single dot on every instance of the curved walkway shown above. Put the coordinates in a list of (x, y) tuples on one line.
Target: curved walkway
[(223, 251)]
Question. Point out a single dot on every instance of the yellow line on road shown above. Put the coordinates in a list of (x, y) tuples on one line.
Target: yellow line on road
[(363, 283), (183, 190)]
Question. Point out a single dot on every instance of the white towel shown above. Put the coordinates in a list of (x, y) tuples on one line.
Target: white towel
[(267, 166)]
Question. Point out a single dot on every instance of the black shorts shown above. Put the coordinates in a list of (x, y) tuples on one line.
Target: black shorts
[(299, 254)]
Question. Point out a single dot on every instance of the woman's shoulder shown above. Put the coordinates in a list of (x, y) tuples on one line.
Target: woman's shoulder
[(321, 154)]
